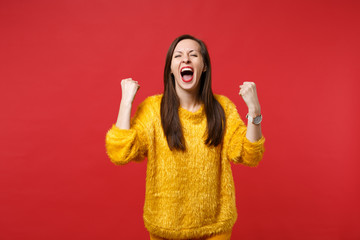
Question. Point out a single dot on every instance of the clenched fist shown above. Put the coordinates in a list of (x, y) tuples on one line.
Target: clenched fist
[(248, 93), (129, 88)]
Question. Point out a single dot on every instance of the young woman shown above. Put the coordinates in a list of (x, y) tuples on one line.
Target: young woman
[(189, 136)]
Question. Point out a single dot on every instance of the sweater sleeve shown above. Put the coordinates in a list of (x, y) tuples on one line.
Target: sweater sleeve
[(125, 145), (238, 148)]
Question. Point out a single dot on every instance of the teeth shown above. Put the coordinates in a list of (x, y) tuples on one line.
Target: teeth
[(186, 69)]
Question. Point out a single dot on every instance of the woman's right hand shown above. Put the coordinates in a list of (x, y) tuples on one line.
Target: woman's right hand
[(129, 89)]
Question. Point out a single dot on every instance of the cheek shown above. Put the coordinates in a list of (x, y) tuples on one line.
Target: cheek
[(173, 68), (200, 67)]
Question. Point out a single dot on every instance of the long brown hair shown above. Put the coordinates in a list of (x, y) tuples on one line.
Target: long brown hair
[(170, 103)]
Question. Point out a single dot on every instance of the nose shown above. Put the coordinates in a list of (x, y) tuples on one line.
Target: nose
[(186, 59)]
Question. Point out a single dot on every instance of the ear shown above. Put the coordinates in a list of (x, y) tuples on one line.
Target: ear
[(205, 68)]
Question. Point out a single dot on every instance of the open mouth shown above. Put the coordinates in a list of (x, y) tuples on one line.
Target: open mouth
[(187, 74)]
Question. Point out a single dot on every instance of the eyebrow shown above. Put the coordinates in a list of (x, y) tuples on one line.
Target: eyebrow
[(189, 51)]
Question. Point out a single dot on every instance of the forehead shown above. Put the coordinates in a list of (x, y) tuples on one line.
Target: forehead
[(187, 45)]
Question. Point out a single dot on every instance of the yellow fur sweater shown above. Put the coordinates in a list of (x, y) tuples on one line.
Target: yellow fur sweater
[(188, 194)]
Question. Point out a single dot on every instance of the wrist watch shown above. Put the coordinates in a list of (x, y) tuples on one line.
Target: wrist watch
[(256, 120)]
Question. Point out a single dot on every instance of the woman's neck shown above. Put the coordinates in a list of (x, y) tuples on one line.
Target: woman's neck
[(189, 100)]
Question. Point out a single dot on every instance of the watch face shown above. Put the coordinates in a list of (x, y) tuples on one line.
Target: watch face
[(257, 120)]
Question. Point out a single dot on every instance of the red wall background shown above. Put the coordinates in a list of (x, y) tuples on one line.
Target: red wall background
[(61, 63)]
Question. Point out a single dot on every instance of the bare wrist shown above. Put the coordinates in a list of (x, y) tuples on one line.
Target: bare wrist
[(125, 104)]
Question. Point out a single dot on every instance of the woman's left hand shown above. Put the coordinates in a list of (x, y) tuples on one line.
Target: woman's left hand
[(248, 93)]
